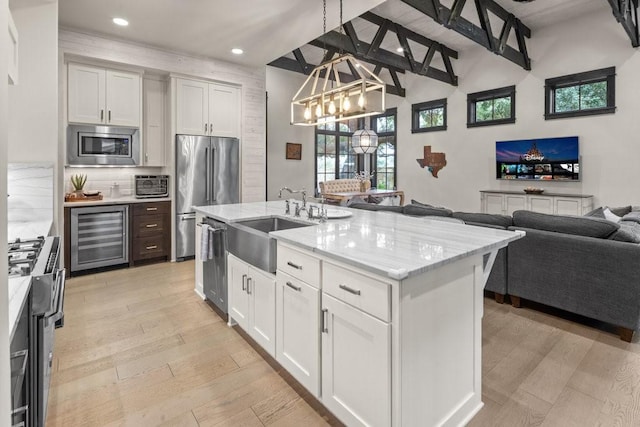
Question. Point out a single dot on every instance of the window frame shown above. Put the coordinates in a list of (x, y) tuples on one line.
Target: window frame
[(337, 134), (416, 109), (492, 94), (374, 126), (607, 75)]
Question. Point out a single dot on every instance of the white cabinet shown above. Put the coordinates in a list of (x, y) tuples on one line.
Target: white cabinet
[(298, 330), (356, 364), (101, 96), (13, 52), (154, 100), (209, 109), (252, 302), (496, 202)]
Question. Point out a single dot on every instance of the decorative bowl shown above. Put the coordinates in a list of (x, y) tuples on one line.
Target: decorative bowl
[(90, 193), (534, 190)]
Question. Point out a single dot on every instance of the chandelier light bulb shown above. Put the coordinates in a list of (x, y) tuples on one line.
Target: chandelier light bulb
[(346, 105), (332, 107), (318, 110), (361, 100), (307, 113)]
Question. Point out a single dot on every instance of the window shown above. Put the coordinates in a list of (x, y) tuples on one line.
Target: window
[(582, 94), (429, 116), (385, 156), (334, 157), (491, 107)]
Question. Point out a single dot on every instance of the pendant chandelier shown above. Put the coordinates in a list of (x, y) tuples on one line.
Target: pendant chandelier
[(324, 97)]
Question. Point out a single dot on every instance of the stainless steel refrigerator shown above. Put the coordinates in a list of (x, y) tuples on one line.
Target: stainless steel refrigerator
[(207, 173)]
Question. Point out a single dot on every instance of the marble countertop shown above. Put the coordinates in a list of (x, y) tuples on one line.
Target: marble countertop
[(18, 291), (384, 243), (28, 229), (116, 201)]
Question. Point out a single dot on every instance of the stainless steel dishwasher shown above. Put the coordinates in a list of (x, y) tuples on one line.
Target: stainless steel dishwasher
[(99, 236), (215, 263)]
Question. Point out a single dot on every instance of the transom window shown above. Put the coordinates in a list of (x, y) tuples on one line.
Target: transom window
[(582, 94), (491, 107), (429, 116)]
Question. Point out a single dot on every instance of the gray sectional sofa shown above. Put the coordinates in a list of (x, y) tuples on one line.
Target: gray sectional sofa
[(588, 265)]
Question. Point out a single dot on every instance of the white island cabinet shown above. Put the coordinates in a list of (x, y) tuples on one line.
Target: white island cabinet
[(379, 315)]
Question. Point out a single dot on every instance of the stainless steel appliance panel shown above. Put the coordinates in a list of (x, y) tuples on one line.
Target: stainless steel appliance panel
[(207, 173), (102, 146), (192, 172), (215, 268), (99, 236), (149, 186), (185, 235), (225, 187)]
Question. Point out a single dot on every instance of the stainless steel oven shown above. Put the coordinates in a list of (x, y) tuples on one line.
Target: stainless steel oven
[(102, 146)]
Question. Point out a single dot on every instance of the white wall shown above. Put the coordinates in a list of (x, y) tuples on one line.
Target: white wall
[(5, 371), (295, 174), (609, 144)]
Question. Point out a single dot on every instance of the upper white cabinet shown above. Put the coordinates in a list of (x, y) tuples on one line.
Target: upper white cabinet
[(209, 109), (101, 96), (506, 202), (13, 52), (154, 100)]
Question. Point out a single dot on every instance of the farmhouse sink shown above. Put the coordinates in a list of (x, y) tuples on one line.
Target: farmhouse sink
[(249, 240)]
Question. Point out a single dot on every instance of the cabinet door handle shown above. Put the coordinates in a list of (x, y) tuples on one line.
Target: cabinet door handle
[(101, 115), (296, 266), (152, 225), (152, 209), (323, 322), (249, 280), (244, 282), (109, 116), (205, 128), (294, 287), (152, 247), (210, 127), (350, 290)]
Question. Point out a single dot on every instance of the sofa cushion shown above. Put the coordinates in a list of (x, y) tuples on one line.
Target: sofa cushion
[(374, 207), (578, 225), (621, 210), (602, 211), (484, 218), (418, 210), (632, 216), (417, 203), (629, 231)]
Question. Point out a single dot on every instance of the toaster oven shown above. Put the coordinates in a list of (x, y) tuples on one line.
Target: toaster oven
[(148, 186)]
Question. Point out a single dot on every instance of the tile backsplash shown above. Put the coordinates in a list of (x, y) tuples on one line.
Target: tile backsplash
[(102, 179), (30, 190)]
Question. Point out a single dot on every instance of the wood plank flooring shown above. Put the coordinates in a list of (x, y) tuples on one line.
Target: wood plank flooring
[(139, 348)]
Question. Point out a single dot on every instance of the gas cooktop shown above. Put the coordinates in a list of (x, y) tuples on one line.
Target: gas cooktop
[(23, 255)]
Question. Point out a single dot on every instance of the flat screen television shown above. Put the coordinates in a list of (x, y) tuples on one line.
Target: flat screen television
[(552, 159)]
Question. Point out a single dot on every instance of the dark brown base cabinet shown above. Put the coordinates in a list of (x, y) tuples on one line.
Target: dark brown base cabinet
[(150, 231)]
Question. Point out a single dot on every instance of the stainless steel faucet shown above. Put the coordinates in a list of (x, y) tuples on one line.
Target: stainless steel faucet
[(302, 191)]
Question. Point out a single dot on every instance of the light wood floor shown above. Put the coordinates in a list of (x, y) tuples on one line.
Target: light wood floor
[(139, 348)]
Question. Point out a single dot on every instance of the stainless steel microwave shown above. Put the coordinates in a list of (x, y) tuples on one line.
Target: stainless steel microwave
[(102, 146)]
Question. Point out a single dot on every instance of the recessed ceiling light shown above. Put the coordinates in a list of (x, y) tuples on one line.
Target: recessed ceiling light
[(400, 50), (120, 21), (237, 51)]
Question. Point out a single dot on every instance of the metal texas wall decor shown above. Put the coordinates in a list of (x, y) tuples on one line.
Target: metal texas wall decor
[(434, 162)]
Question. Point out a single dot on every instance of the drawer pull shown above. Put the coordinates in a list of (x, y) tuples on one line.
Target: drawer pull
[(152, 225), (296, 266), (323, 327), (350, 290), (244, 282), (152, 247), (294, 287), (152, 209)]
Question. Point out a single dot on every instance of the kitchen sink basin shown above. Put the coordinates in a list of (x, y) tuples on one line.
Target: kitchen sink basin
[(249, 240)]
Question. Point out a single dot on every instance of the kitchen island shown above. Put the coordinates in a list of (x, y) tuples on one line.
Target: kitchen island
[(377, 314)]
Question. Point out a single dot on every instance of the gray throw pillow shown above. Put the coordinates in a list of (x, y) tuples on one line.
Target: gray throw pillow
[(621, 210), (632, 216), (483, 218), (596, 213), (629, 231), (578, 225), (374, 207), (417, 210)]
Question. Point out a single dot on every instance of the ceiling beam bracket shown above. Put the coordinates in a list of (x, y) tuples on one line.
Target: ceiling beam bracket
[(483, 35), (626, 13)]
